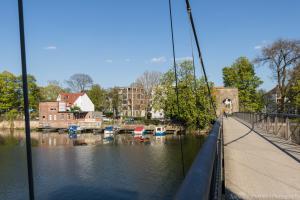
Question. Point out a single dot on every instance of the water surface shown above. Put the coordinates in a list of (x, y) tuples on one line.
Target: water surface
[(123, 169)]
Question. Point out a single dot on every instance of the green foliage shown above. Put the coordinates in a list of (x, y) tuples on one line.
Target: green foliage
[(98, 96), (11, 94), (8, 92), (114, 100), (34, 93), (241, 75), (194, 106), (75, 109), (51, 91), (293, 93)]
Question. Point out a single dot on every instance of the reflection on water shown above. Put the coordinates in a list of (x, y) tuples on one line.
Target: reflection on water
[(123, 169)]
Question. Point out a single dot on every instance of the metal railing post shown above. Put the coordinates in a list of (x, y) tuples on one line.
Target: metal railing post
[(268, 123), (276, 132), (288, 130)]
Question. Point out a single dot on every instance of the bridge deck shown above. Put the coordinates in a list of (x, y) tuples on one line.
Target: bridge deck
[(256, 169)]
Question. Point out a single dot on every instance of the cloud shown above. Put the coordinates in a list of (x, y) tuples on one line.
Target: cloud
[(257, 47), (127, 59), (183, 58), (108, 61), (261, 45), (50, 48), (158, 60)]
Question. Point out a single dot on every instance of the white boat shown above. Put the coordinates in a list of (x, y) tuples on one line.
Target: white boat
[(160, 133), (108, 132)]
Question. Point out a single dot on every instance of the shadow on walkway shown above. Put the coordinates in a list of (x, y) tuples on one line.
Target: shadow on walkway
[(278, 142), (228, 143)]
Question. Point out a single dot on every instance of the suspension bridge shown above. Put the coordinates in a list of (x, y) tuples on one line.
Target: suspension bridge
[(245, 156)]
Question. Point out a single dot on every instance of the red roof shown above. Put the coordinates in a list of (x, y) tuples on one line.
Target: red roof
[(70, 97), (139, 128)]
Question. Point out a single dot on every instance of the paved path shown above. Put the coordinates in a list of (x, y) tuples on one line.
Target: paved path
[(256, 169)]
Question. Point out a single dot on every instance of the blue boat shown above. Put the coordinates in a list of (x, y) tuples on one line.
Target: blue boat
[(160, 131), (73, 130), (109, 132)]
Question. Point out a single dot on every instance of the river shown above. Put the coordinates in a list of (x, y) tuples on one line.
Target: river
[(123, 169)]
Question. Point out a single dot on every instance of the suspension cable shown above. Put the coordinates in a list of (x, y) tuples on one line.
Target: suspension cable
[(195, 77), (176, 82), (189, 10), (26, 102)]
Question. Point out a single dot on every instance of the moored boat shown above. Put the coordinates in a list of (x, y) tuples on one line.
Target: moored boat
[(108, 132), (138, 132), (160, 131), (73, 130)]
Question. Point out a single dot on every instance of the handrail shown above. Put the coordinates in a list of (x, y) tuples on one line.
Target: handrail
[(273, 114), (204, 179), (283, 125)]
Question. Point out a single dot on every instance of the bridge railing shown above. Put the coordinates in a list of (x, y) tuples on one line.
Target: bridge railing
[(205, 179), (286, 126)]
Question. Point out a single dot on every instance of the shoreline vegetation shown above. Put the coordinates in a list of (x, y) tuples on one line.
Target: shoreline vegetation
[(193, 114)]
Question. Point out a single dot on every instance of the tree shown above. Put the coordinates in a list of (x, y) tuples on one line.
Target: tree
[(80, 82), (114, 100), (281, 56), (51, 91), (98, 96), (34, 93), (75, 109), (8, 92), (293, 92), (148, 81), (194, 105), (241, 75)]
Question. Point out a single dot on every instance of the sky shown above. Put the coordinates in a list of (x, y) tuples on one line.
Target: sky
[(115, 41)]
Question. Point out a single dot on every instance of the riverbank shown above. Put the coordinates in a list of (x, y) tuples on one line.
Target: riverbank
[(18, 124)]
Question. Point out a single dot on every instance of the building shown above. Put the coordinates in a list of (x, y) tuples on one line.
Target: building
[(69, 100), (133, 101), (227, 99), (59, 114), (273, 99), (156, 114)]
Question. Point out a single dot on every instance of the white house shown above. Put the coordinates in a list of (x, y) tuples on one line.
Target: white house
[(69, 100), (157, 114)]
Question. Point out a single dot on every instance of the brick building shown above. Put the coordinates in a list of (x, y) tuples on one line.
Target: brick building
[(59, 113), (133, 101)]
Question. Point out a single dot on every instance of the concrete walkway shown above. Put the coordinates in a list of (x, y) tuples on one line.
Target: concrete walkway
[(256, 169)]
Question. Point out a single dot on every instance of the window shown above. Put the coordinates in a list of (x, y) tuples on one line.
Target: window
[(54, 117), (50, 117), (62, 116)]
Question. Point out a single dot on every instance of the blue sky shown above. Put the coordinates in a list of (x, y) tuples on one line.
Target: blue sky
[(115, 41)]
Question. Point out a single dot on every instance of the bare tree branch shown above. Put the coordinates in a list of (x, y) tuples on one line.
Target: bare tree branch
[(281, 56)]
